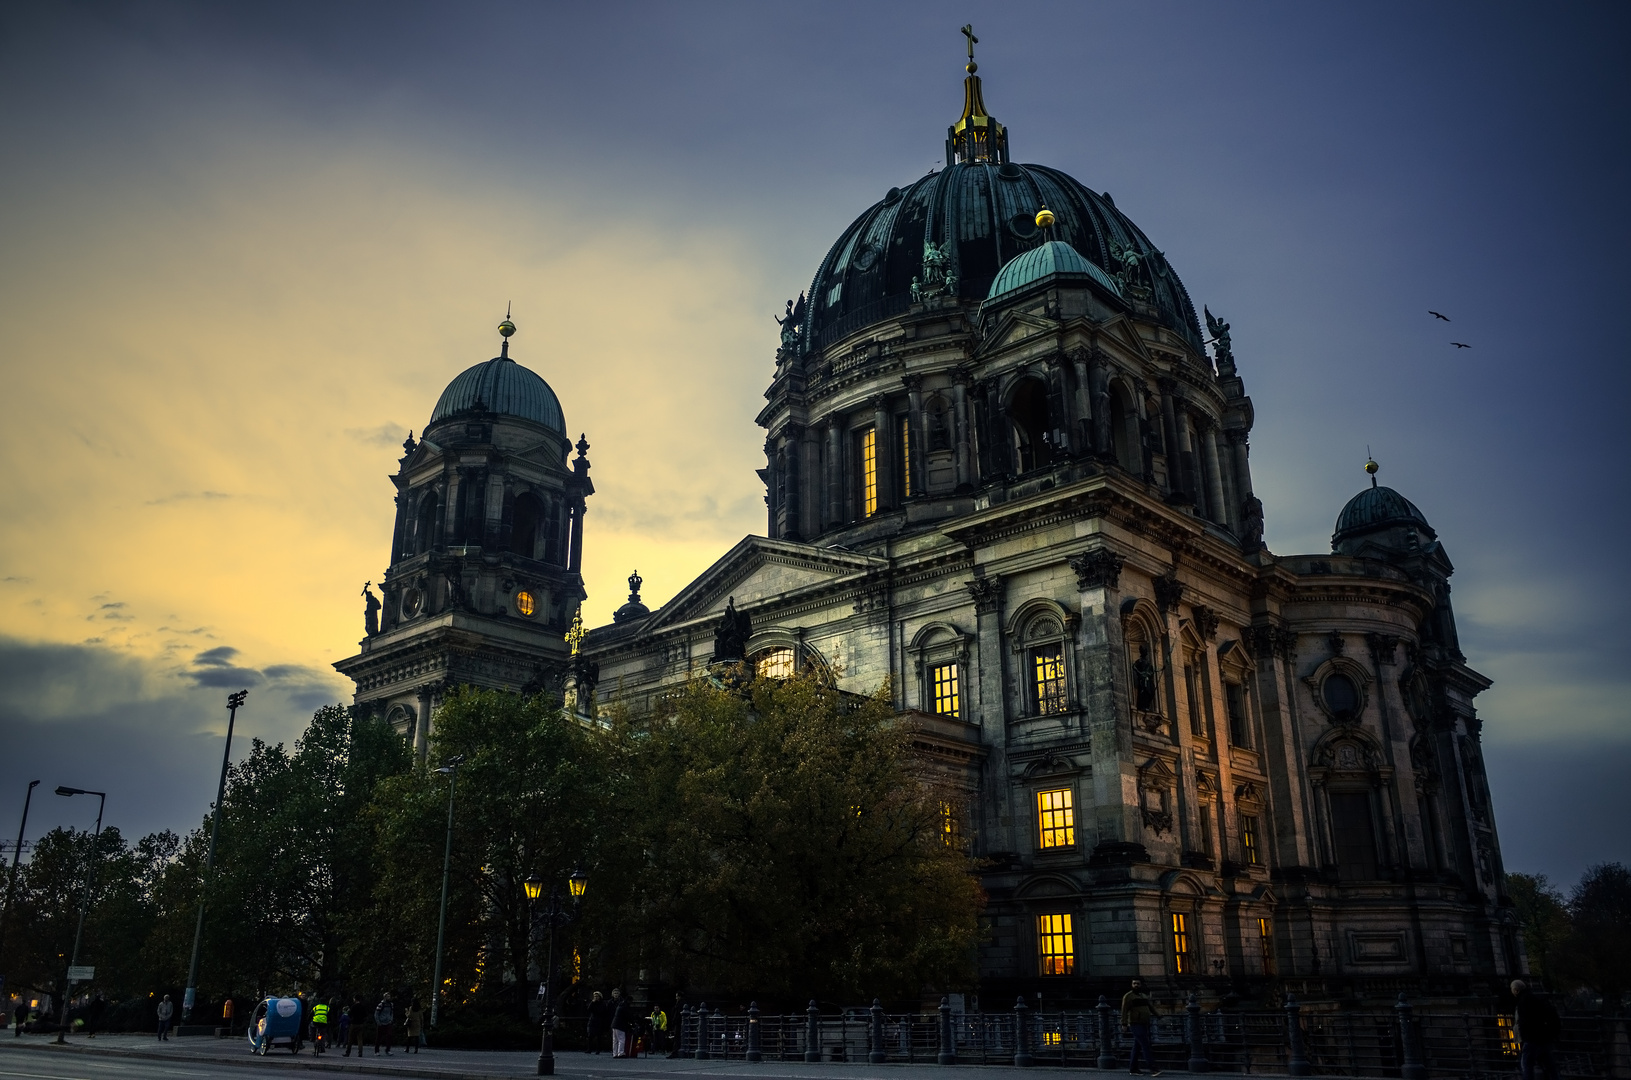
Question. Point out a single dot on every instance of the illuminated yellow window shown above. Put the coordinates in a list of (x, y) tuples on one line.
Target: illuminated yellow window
[(946, 701), (1180, 942), (869, 471), (906, 456), (1248, 839), (1056, 945), (1265, 940), (950, 829), (1510, 1047), (1048, 664), (1055, 819), (525, 603), (775, 664)]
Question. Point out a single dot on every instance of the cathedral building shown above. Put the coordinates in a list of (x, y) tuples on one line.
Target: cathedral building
[(1007, 477)]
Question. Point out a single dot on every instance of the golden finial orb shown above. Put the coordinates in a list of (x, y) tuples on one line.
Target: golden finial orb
[(971, 67), (506, 328), (1371, 467), (1044, 218)]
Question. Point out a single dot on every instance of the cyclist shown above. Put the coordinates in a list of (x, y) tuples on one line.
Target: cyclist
[(319, 1027)]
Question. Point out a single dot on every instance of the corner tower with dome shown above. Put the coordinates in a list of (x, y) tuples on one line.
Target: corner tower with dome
[(483, 577), (1006, 478)]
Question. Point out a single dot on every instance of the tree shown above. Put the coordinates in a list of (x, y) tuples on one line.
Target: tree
[(1597, 951), (782, 841), (529, 802), (1543, 917)]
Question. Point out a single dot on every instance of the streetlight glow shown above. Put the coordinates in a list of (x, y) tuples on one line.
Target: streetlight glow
[(534, 886), (578, 883)]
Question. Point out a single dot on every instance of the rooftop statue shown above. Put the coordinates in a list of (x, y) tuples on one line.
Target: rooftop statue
[(1221, 347), (731, 635)]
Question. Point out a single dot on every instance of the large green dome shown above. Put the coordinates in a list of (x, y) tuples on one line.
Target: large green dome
[(984, 214)]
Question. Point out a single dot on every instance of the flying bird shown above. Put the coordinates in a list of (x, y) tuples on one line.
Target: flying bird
[(1436, 315), (1459, 345)]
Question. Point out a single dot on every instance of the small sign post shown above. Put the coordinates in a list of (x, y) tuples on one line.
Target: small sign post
[(81, 973)]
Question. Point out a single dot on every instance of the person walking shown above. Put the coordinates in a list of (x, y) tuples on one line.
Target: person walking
[(622, 1022), (384, 1021), (413, 1024), (167, 1009), (19, 1015), (1136, 1015), (345, 1030), (1538, 1028), (600, 1015), (226, 1015)]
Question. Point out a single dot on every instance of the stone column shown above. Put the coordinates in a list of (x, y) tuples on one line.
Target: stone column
[(961, 437), (1243, 469), (883, 444), (792, 484), (421, 733), (835, 469), (578, 510), (916, 481), (772, 481), (810, 485), (1214, 477), (1169, 435), (1082, 431)]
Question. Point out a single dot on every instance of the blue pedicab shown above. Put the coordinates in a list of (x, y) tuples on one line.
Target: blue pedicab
[(276, 1022)]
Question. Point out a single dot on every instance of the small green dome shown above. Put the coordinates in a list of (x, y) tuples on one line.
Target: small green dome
[(1053, 259), (501, 386), (1375, 509)]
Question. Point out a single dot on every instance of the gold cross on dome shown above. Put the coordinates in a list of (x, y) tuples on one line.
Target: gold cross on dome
[(968, 32), (575, 636)]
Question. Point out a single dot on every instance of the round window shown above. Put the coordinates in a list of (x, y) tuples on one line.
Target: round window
[(526, 603), (1341, 696), (412, 601)]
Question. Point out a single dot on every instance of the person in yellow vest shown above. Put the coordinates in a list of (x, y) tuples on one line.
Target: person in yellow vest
[(319, 1027), (659, 1028)]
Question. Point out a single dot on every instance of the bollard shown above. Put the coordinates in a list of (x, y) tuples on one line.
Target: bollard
[(812, 1032), (1298, 1063), (1197, 1039), (755, 1053), (1107, 1056), (1022, 1033), (948, 1041), (877, 1056), (701, 1053), (1411, 1066)]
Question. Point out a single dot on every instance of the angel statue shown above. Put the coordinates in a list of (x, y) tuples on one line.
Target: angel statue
[(1220, 341)]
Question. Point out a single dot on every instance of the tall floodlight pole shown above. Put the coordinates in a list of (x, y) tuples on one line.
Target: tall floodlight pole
[(84, 899), (451, 769), (11, 883), (234, 701)]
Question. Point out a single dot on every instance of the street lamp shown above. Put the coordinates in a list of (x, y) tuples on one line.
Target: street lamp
[(234, 702), (554, 915), (85, 897), (451, 771), (11, 883)]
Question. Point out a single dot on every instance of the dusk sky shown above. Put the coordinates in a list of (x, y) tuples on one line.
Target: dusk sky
[(244, 247)]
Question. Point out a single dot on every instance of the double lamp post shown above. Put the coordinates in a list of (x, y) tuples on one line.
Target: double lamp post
[(554, 915)]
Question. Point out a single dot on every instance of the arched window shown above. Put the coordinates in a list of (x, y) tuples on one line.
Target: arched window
[(774, 663), (1123, 429), (424, 532), (529, 514), (1045, 653), (940, 421), (1028, 419)]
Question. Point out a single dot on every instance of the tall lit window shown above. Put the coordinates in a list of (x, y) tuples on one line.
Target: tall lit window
[(951, 830), (906, 456), (1180, 942), (869, 471), (775, 664), (1265, 940), (1056, 945), (946, 699), (1248, 839), (1048, 667), (1055, 819)]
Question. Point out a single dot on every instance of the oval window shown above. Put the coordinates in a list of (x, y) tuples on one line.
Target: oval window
[(1341, 696), (525, 603), (412, 601)]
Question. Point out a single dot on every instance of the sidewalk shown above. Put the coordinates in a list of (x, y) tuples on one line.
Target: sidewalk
[(486, 1064)]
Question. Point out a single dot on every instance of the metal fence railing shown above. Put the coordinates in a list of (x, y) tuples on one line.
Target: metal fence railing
[(1393, 1042)]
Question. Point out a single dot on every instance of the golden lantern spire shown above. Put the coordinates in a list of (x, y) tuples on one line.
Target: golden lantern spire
[(976, 136), (575, 636)]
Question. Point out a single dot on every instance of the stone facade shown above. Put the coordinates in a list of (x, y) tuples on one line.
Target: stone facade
[(1011, 484)]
